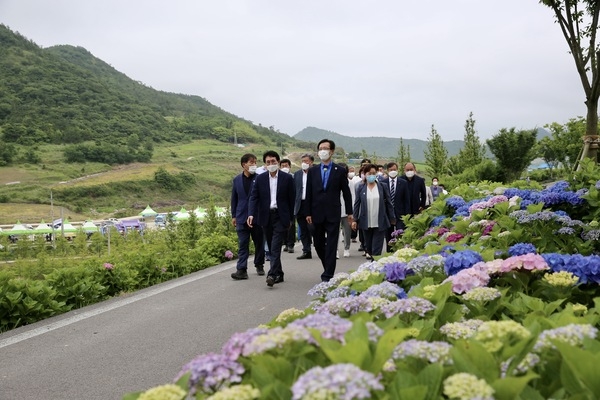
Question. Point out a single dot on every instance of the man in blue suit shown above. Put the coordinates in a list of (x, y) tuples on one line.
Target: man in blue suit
[(324, 183), (271, 206), (400, 198), (240, 195)]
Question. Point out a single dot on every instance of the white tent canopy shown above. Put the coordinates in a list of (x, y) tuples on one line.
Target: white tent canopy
[(148, 212)]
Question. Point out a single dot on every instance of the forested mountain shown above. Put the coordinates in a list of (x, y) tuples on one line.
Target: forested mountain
[(381, 146), (65, 95)]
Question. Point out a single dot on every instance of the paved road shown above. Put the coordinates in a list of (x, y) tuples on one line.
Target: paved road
[(142, 340)]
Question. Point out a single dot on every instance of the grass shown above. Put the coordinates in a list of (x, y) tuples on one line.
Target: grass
[(99, 191)]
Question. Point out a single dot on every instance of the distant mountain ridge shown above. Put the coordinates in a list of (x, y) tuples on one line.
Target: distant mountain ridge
[(378, 145), (383, 146)]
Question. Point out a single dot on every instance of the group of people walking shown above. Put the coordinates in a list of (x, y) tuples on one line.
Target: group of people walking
[(321, 199)]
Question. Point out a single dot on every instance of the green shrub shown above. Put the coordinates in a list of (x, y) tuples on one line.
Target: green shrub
[(76, 286), (216, 245)]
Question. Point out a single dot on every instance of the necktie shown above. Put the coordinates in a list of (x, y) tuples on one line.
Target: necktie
[(325, 176), (393, 190)]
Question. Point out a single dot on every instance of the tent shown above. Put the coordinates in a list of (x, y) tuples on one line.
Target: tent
[(200, 213), (181, 215), (42, 228), (89, 227), (148, 212), (18, 229)]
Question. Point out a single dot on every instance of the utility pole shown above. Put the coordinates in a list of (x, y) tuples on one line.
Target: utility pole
[(52, 216)]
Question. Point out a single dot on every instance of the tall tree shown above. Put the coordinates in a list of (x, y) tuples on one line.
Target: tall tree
[(564, 144), (403, 154), (578, 21), (473, 152), (436, 154), (514, 151)]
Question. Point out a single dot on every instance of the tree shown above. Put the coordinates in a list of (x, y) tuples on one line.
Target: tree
[(578, 20), (473, 152), (436, 154), (403, 154), (514, 151), (564, 144)]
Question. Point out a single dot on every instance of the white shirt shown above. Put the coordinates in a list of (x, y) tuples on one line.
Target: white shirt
[(273, 188), (373, 206), (304, 176)]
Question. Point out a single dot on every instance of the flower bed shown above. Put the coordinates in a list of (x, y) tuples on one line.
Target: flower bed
[(492, 294)]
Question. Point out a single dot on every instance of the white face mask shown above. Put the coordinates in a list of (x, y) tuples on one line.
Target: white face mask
[(286, 170), (305, 166), (350, 175), (409, 174), (435, 183), (252, 169), (324, 155), (272, 168), (393, 174)]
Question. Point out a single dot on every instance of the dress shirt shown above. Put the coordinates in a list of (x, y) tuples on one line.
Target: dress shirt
[(304, 176), (273, 188)]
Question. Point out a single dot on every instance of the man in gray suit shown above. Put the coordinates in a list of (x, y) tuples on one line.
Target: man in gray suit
[(301, 207)]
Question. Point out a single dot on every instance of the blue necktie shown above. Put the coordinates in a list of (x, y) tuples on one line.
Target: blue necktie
[(325, 176), (393, 191)]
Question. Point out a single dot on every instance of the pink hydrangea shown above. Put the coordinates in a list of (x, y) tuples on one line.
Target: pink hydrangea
[(228, 255), (470, 278), (108, 266), (530, 262)]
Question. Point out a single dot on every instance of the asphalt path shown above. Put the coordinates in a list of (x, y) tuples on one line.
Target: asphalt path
[(141, 340)]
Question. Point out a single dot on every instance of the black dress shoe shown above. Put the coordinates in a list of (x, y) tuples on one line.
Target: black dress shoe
[(290, 249), (304, 256), (270, 281), (239, 275), (278, 279), (260, 270), (286, 249)]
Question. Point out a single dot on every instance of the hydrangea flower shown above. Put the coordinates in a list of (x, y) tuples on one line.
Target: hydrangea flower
[(211, 372), (461, 330), (351, 305), (229, 254), (108, 266), (529, 361), (330, 326), (340, 291), (276, 338), (396, 271), (289, 315), (482, 294), (464, 386), (561, 279), (520, 249), (530, 262), (237, 392), (572, 334), (338, 381), (234, 347), (461, 260), (411, 305), (425, 263), (470, 278), (164, 392), (493, 334), (385, 289), (433, 352)]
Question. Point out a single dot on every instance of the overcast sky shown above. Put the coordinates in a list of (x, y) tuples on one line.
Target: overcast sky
[(359, 68)]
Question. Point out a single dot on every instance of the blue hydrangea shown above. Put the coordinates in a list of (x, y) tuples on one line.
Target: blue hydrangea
[(437, 221), (461, 260), (396, 271), (520, 249)]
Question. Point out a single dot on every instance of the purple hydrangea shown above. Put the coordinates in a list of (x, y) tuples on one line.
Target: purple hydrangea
[(521, 248), (386, 290), (211, 372), (234, 347), (338, 381), (411, 305), (330, 326), (396, 271), (461, 260)]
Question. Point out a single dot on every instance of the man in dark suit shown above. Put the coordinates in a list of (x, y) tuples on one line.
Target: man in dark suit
[(416, 189), (400, 198), (324, 183), (271, 206), (301, 206), (240, 194)]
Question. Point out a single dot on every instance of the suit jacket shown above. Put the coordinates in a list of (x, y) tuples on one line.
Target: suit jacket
[(298, 185), (239, 199), (325, 204), (417, 193), (260, 199), (361, 208), (401, 197)]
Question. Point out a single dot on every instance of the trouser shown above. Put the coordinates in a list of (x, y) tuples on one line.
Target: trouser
[(291, 236), (374, 241), (244, 233), (347, 233), (325, 239), (275, 232), (305, 234)]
